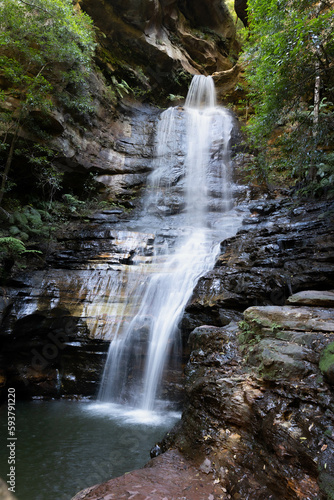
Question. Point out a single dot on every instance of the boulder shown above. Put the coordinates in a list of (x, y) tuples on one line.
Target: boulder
[(291, 318), (320, 298)]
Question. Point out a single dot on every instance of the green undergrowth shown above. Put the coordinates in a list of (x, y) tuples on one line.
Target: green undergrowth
[(327, 358)]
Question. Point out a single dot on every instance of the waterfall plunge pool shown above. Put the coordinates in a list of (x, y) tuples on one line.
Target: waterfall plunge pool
[(63, 447)]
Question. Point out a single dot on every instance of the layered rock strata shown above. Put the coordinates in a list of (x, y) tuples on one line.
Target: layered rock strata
[(281, 249)]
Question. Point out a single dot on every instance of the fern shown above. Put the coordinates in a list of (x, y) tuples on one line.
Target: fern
[(14, 247)]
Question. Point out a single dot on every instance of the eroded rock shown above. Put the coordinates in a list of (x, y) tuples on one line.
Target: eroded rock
[(312, 298), (260, 405), (168, 32)]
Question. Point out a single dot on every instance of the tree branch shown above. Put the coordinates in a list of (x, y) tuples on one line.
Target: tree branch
[(34, 6)]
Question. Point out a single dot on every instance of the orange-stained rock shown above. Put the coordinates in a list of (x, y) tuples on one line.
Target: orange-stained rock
[(167, 477)]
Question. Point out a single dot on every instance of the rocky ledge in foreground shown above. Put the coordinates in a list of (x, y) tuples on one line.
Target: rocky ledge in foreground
[(259, 417)]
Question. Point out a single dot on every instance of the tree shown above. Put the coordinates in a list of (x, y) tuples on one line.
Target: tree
[(289, 60), (46, 50)]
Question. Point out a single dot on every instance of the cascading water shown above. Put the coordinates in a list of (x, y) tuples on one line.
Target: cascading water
[(189, 187)]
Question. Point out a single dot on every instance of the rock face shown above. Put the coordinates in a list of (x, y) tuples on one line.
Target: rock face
[(149, 50), (178, 35), (281, 250), (259, 417), (55, 320), (260, 408)]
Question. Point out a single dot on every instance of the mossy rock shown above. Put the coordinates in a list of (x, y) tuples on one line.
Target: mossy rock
[(326, 363), (45, 215), (28, 223), (34, 221), (327, 484)]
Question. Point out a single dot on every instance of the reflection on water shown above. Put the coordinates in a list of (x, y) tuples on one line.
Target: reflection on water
[(64, 446)]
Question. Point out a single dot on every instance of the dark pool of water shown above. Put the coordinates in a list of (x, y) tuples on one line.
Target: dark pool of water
[(65, 446)]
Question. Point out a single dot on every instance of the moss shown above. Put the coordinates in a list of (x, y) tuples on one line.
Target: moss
[(327, 484), (327, 358), (33, 217)]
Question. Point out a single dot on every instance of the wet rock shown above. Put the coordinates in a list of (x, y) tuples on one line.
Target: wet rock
[(168, 476), (48, 354), (57, 322), (312, 298), (155, 451), (277, 253), (118, 185), (259, 404)]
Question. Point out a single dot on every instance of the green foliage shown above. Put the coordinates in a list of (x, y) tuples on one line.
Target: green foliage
[(173, 97), (248, 333), (46, 50), (290, 43), (72, 202), (27, 222), (14, 248), (327, 358), (44, 43)]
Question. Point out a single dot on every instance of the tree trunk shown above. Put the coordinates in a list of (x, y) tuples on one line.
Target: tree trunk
[(316, 98), (9, 162), (316, 102)]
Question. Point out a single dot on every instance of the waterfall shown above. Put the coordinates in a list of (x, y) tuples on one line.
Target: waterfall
[(189, 190)]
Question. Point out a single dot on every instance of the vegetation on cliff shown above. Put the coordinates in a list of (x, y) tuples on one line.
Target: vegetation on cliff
[(46, 51), (46, 55), (289, 58)]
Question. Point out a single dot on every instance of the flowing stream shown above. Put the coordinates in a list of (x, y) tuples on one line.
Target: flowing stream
[(190, 191)]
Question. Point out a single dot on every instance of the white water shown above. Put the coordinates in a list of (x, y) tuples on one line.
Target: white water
[(191, 174)]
